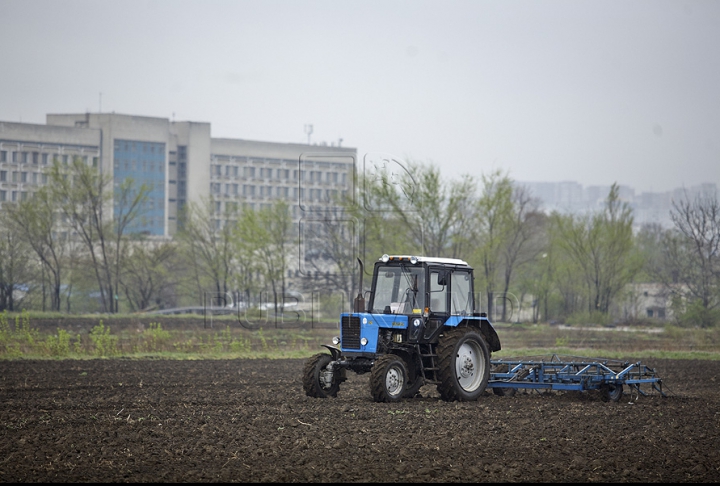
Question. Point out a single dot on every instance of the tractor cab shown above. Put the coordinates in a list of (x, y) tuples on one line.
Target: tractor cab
[(421, 286)]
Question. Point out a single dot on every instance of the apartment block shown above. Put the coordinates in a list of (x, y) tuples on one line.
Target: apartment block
[(179, 162)]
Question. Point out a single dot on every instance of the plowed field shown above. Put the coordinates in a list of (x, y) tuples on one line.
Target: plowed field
[(249, 420)]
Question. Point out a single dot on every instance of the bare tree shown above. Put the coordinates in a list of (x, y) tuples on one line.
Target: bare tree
[(84, 196), (268, 230), (693, 253), (148, 273), (493, 218), (207, 245), (523, 240), (15, 263), (430, 214), (601, 245), (38, 223)]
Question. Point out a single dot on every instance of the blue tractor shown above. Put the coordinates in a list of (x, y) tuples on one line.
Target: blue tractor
[(420, 326)]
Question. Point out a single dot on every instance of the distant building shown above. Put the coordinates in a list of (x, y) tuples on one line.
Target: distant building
[(649, 207), (180, 163)]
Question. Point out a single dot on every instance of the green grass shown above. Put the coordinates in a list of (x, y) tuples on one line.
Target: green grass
[(20, 339)]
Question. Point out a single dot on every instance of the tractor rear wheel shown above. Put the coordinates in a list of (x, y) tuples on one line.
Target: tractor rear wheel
[(388, 378), (313, 382), (464, 362)]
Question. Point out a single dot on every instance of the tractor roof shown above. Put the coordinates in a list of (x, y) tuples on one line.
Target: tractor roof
[(420, 259)]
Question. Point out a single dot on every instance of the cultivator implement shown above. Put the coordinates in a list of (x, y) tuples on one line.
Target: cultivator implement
[(571, 373)]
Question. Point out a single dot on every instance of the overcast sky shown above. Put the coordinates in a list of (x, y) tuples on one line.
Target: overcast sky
[(591, 91)]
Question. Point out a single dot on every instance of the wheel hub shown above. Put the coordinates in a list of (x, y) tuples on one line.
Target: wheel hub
[(467, 368), (393, 381)]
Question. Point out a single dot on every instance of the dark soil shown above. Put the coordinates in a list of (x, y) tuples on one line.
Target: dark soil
[(249, 420)]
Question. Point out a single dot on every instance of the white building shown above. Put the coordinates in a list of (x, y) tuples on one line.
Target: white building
[(179, 161)]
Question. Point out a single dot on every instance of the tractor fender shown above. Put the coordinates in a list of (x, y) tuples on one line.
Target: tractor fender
[(334, 351), (480, 323)]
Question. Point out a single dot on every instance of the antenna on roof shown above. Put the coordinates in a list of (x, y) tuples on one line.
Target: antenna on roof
[(308, 130)]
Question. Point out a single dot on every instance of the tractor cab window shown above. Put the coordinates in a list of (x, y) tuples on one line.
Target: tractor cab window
[(399, 290), (461, 294), (438, 291)]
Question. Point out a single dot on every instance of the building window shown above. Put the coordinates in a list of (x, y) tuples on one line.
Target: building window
[(23, 176), (44, 159), (3, 195), (35, 158), (3, 155), (3, 176)]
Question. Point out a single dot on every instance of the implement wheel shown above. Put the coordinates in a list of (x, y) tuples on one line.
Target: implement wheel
[(388, 378), (610, 392), (504, 392), (464, 362), (313, 382)]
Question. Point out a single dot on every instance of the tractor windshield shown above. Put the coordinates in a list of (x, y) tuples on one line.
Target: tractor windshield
[(399, 290)]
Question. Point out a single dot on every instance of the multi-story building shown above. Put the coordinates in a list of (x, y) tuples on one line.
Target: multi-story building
[(648, 207), (179, 162)]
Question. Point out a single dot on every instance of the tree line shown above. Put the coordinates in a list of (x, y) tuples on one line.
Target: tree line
[(72, 247)]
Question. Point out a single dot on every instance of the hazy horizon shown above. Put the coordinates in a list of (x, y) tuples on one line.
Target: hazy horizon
[(547, 91)]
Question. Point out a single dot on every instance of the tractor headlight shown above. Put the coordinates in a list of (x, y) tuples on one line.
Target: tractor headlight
[(417, 322), (363, 341), (385, 258), (336, 340), (413, 260)]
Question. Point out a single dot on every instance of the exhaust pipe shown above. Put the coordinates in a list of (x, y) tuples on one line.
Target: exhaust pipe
[(359, 304)]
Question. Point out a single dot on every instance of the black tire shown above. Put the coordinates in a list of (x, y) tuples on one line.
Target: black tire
[(312, 382), (412, 389), (464, 362), (504, 392), (610, 392), (415, 379), (388, 378)]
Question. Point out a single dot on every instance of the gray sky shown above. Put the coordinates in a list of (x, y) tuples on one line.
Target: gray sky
[(591, 91)]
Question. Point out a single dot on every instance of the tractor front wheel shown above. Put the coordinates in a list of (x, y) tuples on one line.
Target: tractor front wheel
[(388, 378), (314, 382)]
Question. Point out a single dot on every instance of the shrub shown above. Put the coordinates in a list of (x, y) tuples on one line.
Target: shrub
[(155, 337), (105, 343), (58, 345)]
